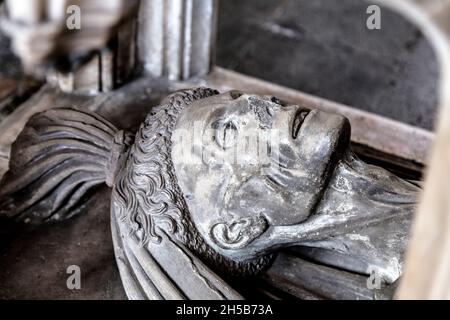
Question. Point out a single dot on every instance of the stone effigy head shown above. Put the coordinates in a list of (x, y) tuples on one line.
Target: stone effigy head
[(233, 192), (234, 177), (252, 175), (248, 164)]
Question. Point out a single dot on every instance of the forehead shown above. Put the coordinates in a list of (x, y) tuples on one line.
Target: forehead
[(227, 104), (211, 107)]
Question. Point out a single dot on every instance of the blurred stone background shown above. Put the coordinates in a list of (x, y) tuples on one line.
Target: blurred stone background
[(10, 64), (323, 47)]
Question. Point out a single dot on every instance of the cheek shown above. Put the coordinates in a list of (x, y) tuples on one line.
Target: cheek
[(253, 147), (256, 197), (246, 154)]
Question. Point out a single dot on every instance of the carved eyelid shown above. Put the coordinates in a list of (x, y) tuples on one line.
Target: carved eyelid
[(271, 110), (279, 102), (221, 126)]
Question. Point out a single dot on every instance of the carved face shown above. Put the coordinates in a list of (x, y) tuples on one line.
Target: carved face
[(247, 164)]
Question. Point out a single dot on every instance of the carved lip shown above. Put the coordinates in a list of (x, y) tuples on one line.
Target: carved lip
[(298, 121)]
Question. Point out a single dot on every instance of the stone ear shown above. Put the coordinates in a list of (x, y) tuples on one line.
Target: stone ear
[(237, 234)]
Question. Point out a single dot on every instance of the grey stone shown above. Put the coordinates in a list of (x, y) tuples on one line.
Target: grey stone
[(186, 225), (324, 48)]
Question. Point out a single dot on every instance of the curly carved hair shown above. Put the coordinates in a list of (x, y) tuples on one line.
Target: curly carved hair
[(148, 195)]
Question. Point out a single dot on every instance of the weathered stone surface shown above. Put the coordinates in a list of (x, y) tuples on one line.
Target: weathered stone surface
[(220, 217)]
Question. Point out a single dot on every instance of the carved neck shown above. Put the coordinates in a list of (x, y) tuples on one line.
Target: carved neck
[(365, 214), (359, 188)]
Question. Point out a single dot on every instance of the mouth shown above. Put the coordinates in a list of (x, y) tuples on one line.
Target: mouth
[(299, 119)]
